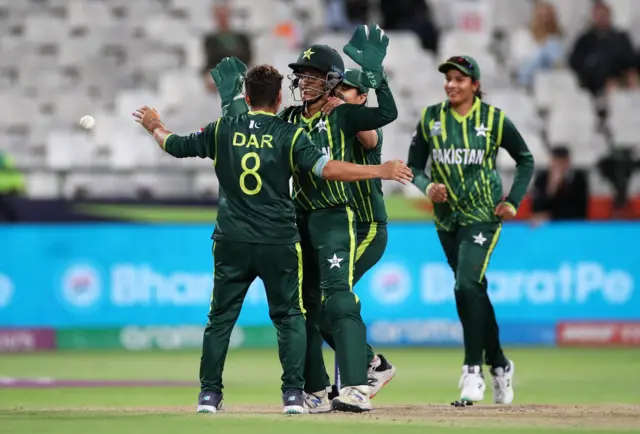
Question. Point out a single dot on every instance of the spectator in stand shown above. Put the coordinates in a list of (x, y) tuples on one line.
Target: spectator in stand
[(224, 42), (560, 192), (540, 46), (345, 15), (413, 15), (603, 57)]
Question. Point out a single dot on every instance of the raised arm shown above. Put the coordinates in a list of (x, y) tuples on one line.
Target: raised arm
[(361, 118), (202, 144), (229, 78), (368, 48)]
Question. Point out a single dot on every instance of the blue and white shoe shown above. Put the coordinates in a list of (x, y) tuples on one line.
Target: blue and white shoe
[(209, 402), (318, 402)]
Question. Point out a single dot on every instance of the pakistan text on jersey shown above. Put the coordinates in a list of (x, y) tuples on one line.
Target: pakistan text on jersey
[(459, 156)]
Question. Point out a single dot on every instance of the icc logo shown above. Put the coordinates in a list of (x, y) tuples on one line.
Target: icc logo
[(391, 284), (81, 287)]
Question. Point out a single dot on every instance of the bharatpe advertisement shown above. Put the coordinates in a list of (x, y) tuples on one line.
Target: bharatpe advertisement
[(560, 283)]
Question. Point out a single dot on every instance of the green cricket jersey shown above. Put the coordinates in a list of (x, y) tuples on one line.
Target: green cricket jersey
[(368, 200), (335, 135), (463, 151), (254, 154)]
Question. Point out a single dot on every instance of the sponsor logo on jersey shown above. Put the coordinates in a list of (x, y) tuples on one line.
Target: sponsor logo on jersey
[(458, 156)]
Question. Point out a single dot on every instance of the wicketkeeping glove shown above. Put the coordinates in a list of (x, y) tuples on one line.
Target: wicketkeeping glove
[(368, 48), (229, 78)]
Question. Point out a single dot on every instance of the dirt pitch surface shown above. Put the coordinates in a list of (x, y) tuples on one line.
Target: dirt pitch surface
[(576, 416)]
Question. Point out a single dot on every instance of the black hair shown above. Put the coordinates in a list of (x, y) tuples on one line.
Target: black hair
[(262, 84), (478, 93), (560, 152)]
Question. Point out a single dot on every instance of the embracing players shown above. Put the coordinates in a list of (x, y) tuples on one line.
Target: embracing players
[(255, 155), (324, 216)]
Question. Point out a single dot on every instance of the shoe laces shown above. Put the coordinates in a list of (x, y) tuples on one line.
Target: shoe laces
[(352, 392), (314, 399)]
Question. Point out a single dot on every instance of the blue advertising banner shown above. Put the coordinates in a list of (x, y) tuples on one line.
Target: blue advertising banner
[(110, 275)]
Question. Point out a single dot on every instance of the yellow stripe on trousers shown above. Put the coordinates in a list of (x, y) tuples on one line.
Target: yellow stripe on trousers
[(492, 246), (373, 230), (300, 275)]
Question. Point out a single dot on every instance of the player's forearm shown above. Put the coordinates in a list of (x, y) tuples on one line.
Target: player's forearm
[(371, 118), (236, 107), (179, 146), (417, 161), (524, 173), (349, 172), (420, 180), (386, 103), (161, 135), (368, 139)]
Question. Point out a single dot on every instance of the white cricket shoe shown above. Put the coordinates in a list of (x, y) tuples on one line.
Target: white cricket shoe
[(471, 385), (318, 402), (353, 399), (380, 373), (503, 384)]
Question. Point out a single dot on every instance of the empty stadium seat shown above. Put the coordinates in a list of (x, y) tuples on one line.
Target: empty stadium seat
[(61, 59)]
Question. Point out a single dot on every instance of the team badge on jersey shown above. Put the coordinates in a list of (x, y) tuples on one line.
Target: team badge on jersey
[(436, 130)]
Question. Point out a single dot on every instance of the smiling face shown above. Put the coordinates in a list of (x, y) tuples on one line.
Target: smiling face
[(312, 83), (460, 88)]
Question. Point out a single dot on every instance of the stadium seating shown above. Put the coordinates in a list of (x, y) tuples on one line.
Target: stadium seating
[(61, 59)]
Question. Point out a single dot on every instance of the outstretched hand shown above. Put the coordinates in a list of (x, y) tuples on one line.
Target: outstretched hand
[(331, 103), (228, 76), (148, 118), (396, 170), (368, 48)]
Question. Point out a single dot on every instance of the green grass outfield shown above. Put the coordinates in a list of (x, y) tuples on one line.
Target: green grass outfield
[(557, 390), (399, 208)]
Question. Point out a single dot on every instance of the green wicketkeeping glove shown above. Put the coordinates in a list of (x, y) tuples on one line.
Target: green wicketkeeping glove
[(368, 48), (229, 78)]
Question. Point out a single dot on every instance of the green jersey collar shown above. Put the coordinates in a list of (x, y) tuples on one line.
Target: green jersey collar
[(260, 112), (312, 118), (459, 118)]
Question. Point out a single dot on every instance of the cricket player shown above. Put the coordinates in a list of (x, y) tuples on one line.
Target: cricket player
[(370, 213), (324, 217), (462, 137), (255, 155)]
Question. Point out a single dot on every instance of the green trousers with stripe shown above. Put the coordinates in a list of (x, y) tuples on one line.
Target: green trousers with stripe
[(236, 266), (328, 239), (372, 242), (468, 250)]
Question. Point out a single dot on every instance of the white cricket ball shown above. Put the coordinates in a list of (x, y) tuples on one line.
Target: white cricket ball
[(87, 122)]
